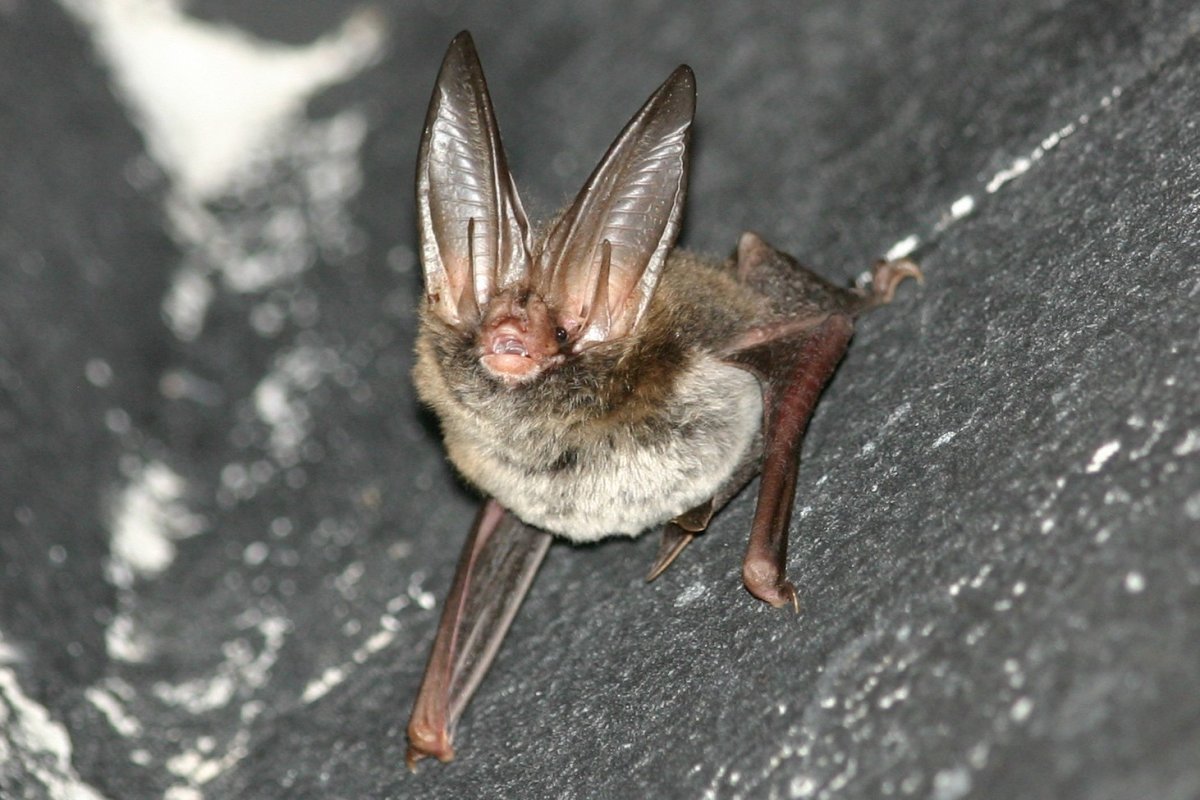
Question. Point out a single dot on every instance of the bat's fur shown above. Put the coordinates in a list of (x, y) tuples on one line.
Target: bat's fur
[(577, 407), (621, 437)]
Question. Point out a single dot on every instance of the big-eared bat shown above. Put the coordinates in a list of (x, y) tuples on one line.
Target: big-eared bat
[(591, 379)]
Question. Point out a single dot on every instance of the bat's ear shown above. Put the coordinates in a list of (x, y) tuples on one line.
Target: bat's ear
[(601, 261), (474, 234)]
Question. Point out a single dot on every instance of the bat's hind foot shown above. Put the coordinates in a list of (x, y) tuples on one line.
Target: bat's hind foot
[(764, 578), (885, 277)]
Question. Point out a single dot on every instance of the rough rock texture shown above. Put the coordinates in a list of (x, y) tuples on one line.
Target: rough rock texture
[(225, 525)]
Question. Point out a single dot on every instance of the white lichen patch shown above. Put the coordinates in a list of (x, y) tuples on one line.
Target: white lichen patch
[(1102, 455), (690, 595), (1021, 709), (1135, 582), (335, 675), (114, 711), (208, 97), (1189, 445), (240, 672), (220, 111), (149, 516), (903, 248), (37, 746), (280, 398), (945, 438), (963, 206)]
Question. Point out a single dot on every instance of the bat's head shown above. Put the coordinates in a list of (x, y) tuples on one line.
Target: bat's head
[(525, 307)]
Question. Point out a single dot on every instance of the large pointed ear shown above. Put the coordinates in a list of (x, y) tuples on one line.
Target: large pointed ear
[(601, 261), (474, 234)]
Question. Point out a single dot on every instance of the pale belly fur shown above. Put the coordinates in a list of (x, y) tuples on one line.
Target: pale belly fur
[(616, 487)]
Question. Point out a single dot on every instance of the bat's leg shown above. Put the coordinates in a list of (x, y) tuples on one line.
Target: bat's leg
[(793, 354), (674, 540), (798, 292), (679, 532), (792, 369), (498, 563)]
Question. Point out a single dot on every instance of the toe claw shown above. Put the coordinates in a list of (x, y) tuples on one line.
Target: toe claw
[(887, 275)]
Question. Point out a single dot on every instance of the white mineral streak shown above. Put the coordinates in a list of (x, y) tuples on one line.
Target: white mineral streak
[(210, 97), (36, 746), (1102, 455), (149, 517), (964, 206), (218, 108)]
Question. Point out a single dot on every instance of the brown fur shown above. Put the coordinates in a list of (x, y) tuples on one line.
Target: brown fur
[(610, 402)]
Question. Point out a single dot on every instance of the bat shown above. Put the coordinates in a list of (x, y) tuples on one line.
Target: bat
[(593, 380)]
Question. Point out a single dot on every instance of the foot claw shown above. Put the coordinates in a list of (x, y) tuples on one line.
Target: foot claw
[(787, 597), (424, 741), (887, 275)]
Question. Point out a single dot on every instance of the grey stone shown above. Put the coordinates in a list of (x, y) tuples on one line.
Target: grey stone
[(996, 530)]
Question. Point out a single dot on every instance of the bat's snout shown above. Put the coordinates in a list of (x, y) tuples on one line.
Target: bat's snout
[(508, 342), (517, 340)]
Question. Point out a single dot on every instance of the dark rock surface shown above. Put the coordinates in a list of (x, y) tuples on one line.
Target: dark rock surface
[(225, 525)]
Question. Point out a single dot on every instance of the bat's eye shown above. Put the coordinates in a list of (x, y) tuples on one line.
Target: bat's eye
[(560, 335)]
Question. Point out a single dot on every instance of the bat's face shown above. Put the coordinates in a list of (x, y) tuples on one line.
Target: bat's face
[(525, 308), (519, 360), (569, 370)]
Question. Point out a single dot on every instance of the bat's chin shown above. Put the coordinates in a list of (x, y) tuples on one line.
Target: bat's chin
[(513, 368)]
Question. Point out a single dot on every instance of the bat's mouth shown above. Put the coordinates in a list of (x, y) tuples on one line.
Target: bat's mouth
[(517, 338), (508, 345), (511, 354)]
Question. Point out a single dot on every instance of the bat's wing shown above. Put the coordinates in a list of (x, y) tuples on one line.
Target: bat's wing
[(793, 350), (497, 565)]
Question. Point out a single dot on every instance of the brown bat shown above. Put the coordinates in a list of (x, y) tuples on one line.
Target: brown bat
[(591, 379)]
